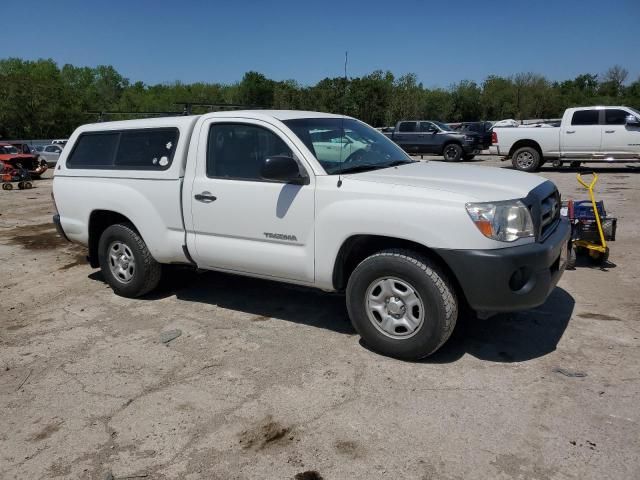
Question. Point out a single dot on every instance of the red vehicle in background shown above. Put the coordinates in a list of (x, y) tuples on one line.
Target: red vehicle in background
[(10, 156)]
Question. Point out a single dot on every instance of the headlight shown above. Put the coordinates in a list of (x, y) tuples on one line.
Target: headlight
[(505, 221)]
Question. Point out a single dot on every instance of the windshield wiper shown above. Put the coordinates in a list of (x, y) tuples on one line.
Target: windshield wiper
[(395, 163), (360, 168), (373, 166)]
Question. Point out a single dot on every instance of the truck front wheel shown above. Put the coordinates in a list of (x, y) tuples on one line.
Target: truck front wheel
[(526, 159), (126, 263), (452, 152), (401, 304)]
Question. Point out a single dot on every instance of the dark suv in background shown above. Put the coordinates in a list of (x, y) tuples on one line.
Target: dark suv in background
[(426, 136)]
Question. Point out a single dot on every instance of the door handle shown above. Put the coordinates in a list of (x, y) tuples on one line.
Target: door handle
[(205, 197), (609, 131), (571, 131)]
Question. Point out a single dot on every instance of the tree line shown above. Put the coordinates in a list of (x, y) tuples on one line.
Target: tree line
[(39, 99)]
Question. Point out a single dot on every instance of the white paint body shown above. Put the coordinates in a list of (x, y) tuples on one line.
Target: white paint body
[(580, 142), (421, 202)]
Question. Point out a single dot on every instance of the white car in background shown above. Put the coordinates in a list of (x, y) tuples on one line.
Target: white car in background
[(51, 153)]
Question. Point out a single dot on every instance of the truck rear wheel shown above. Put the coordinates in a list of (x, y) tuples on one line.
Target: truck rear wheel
[(401, 304), (452, 152), (526, 159), (126, 262)]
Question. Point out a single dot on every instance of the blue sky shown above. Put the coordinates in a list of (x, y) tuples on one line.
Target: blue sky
[(217, 41)]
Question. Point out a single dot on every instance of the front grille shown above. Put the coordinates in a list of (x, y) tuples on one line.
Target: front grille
[(549, 214)]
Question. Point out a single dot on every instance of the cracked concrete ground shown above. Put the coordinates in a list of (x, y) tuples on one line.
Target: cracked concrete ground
[(269, 381)]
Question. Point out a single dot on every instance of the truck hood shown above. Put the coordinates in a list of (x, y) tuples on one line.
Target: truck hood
[(484, 184)]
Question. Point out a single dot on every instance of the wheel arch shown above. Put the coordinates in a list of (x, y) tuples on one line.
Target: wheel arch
[(358, 247), (99, 221), (525, 143)]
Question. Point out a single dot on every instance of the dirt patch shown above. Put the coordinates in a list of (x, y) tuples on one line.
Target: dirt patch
[(265, 433), (16, 326), (348, 447), (35, 237), (600, 316), (78, 259), (46, 432), (308, 475)]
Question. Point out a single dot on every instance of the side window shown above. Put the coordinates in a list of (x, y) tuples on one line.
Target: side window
[(408, 126), (585, 117), (615, 117), (237, 151), (147, 149), (427, 127), (94, 150)]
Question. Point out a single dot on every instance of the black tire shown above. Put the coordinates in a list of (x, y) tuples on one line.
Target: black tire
[(28, 185), (467, 158), (526, 159), (20, 185), (430, 284), (575, 164), (572, 258), (7, 186), (452, 152), (146, 273)]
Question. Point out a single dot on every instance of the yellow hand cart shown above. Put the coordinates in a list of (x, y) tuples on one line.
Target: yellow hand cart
[(591, 226)]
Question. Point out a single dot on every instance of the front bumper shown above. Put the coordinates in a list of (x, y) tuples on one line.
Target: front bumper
[(513, 278)]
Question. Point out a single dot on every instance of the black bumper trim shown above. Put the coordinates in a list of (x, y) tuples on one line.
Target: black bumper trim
[(484, 275)]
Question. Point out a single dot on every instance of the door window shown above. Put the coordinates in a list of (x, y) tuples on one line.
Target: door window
[(615, 116), (427, 127), (238, 151), (585, 117)]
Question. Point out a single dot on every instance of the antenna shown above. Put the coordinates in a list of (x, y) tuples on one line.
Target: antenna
[(344, 100)]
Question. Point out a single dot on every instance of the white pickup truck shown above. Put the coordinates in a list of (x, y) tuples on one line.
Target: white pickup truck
[(264, 193), (586, 134)]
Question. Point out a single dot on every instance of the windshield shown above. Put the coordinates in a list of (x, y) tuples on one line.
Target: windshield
[(443, 126), (9, 149), (342, 145)]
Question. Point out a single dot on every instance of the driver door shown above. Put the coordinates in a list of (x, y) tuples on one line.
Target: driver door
[(241, 222), (429, 140)]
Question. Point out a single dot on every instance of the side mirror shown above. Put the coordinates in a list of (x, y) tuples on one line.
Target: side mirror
[(283, 169), (632, 121)]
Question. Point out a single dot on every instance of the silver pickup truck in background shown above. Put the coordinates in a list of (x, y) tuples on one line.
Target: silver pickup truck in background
[(586, 134)]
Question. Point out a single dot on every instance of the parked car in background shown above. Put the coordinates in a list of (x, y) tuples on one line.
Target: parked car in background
[(430, 137), (51, 153), (23, 147), (481, 128), (10, 155), (259, 193), (585, 135)]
